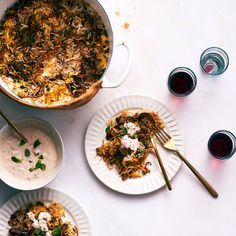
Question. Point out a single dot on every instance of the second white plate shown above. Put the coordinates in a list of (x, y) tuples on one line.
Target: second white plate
[(96, 134), (46, 195)]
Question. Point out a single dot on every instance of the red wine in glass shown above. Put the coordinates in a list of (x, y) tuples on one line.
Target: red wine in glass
[(182, 81), (222, 144)]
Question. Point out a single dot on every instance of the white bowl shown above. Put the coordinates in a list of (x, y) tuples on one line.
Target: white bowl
[(53, 134)]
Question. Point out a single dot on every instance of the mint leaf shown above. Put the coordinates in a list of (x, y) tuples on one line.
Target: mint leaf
[(57, 231), (22, 142), (27, 152), (140, 152), (38, 232), (36, 143), (108, 128), (15, 159), (40, 165), (124, 130), (40, 157)]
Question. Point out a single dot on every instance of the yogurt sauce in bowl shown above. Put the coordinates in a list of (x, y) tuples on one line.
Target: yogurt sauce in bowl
[(33, 164)]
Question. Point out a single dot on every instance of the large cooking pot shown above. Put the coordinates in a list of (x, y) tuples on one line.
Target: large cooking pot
[(103, 82)]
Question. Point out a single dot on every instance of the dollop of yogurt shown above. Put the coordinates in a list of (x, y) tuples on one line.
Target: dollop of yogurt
[(41, 222), (131, 128), (131, 143), (44, 216)]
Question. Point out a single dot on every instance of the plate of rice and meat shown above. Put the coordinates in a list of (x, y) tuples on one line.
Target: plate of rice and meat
[(44, 212), (118, 144)]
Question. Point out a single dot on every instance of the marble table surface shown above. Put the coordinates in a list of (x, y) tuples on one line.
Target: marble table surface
[(162, 35)]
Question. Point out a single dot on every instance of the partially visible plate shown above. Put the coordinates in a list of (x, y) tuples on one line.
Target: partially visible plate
[(46, 195), (96, 134)]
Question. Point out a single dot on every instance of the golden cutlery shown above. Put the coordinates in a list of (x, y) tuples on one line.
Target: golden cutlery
[(161, 165), (168, 143), (144, 115)]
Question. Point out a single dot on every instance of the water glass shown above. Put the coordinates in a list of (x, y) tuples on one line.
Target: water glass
[(214, 61), (182, 81), (222, 144)]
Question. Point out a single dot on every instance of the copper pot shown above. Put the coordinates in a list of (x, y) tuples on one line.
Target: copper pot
[(103, 82)]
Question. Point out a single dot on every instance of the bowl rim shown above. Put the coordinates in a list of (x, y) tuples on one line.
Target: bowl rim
[(46, 181)]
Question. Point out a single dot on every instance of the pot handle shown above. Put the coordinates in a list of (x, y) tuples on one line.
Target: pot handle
[(106, 83)]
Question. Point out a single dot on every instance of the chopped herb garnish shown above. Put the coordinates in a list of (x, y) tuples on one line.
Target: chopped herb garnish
[(27, 152), (140, 153), (15, 159), (22, 142), (40, 165), (108, 128), (36, 143), (38, 232), (40, 157), (124, 130), (57, 231)]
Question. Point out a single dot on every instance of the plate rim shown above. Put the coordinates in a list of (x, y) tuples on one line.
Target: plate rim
[(45, 194), (120, 99)]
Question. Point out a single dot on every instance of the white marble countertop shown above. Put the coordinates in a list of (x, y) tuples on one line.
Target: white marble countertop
[(163, 34)]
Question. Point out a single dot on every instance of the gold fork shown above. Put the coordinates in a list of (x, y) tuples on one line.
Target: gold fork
[(161, 165), (168, 143), (146, 115)]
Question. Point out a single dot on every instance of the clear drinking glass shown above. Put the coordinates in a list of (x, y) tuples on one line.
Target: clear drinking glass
[(182, 81), (222, 144), (214, 61)]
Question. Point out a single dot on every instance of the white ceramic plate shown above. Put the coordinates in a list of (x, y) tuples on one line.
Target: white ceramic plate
[(96, 134), (73, 209)]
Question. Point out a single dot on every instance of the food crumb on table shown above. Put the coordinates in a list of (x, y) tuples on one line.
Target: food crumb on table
[(126, 25)]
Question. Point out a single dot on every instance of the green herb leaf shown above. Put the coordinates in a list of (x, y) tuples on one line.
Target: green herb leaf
[(124, 130), (40, 157), (36, 143), (57, 231), (22, 142), (27, 152), (108, 128), (140, 153), (38, 232), (15, 159), (40, 165)]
